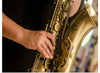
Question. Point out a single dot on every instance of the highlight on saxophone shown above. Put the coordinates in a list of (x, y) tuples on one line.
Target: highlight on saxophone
[(45, 35)]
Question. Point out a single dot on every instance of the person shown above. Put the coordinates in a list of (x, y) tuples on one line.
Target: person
[(23, 23)]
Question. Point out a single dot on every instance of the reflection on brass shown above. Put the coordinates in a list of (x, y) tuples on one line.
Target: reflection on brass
[(57, 27), (65, 6), (68, 38), (62, 16)]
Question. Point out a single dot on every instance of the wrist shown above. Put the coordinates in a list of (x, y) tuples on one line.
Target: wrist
[(21, 35)]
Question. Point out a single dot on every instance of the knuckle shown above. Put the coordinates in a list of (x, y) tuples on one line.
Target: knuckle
[(41, 35), (48, 33), (41, 50), (42, 32)]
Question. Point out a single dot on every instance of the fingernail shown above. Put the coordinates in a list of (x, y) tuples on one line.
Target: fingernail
[(47, 56), (51, 57)]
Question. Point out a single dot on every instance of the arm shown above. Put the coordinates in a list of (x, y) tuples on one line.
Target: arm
[(11, 30), (28, 38)]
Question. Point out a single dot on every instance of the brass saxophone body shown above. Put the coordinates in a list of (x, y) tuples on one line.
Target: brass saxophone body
[(68, 37)]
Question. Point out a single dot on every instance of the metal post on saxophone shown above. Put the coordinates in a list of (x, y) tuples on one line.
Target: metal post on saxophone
[(68, 36)]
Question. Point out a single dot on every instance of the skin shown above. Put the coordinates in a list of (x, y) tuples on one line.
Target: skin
[(75, 7), (36, 40)]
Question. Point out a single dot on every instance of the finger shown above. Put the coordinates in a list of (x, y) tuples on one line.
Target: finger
[(43, 52), (47, 50), (51, 37), (49, 45)]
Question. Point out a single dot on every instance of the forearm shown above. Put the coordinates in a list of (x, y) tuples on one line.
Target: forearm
[(11, 29)]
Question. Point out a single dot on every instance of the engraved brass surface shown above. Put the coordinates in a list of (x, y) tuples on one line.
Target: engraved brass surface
[(68, 37)]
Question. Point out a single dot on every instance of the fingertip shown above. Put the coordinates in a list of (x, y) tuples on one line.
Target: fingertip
[(47, 56), (51, 57)]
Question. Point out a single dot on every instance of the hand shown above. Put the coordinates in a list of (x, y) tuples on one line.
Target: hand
[(39, 40)]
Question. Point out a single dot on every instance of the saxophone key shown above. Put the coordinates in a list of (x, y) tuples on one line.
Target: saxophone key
[(55, 34), (57, 27), (62, 16), (65, 7)]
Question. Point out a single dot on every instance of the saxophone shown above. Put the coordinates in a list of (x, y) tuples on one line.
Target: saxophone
[(68, 36)]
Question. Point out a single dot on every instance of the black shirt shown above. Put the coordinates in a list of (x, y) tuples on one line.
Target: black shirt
[(30, 14)]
